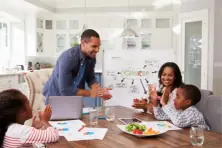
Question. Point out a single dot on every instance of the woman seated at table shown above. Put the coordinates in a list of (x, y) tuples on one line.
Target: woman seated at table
[(170, 79)]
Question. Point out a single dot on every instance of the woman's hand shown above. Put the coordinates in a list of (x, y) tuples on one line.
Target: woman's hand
[(140, 104)]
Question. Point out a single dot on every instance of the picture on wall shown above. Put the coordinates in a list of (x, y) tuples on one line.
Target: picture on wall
[(146, 41), (39, 37), (60, 42)]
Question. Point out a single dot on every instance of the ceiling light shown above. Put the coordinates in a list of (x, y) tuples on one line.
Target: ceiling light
[(128, 32)]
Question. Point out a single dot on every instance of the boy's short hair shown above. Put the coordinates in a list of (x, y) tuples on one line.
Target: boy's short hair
[(191, 92)]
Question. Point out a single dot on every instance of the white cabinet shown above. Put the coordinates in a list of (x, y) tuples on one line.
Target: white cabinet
[(12, 81), (7, 82)]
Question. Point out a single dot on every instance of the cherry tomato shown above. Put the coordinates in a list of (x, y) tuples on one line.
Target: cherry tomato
[(136, 131)]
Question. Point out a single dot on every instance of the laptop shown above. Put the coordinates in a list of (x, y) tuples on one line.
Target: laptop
[(66, 107)]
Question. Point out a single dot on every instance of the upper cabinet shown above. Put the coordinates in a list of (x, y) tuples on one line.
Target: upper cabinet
[(57, 33), (48, 24)]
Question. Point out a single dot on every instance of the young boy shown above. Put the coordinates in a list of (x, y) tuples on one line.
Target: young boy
[(186, 113)]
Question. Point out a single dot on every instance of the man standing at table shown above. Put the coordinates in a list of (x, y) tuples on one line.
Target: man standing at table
[(74, 67)]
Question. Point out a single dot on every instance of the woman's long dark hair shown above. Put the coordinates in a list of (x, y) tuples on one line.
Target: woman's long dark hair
[(178, 77), (10, 104)]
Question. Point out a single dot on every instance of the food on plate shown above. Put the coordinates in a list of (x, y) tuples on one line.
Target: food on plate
[(136, 128), (140, 129), (150, 131), (136, 131)]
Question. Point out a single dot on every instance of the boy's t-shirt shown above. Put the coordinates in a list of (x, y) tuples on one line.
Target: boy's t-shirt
[(182, 118), (19, 135)]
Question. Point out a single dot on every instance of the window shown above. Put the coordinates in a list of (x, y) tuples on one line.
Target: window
[(4, 43), (3, 35)]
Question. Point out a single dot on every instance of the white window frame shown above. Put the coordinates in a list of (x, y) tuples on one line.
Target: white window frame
[(5, 50)]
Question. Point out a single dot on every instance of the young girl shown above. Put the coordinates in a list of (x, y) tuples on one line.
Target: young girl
[(14, 111), (170, 78)]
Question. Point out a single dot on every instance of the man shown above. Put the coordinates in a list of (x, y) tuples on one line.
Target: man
[(74, 67)]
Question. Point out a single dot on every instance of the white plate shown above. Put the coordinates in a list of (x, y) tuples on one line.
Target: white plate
[(123, 128)]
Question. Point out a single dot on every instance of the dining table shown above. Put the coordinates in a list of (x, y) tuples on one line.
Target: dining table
[(115, 138)]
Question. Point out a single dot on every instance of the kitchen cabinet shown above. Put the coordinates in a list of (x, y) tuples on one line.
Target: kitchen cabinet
[(9, 81)]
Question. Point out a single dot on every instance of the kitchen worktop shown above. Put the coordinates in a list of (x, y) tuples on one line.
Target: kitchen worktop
[(22, 72), (11, 73)]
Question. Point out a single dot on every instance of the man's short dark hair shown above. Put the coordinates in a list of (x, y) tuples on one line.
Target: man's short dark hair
[(87, 34), (191, 92)]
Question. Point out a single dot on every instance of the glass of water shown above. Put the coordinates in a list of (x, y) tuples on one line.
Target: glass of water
[(110, 113), (197, 135), (93, 116)]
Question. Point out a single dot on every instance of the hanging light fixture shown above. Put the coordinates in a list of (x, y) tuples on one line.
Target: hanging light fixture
[(85, 27), (128, 32)]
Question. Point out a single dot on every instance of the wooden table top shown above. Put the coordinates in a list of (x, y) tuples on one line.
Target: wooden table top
[(115, 138)]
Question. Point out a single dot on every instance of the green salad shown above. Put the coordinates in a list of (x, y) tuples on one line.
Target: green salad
[(135, 126)]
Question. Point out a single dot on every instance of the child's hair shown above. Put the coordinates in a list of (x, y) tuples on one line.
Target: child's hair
[(10, 104), (178, 77), (191, 92)]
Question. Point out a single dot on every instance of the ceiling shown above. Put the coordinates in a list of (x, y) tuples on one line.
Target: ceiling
[(17, 8), (95, 3), (60, 6)]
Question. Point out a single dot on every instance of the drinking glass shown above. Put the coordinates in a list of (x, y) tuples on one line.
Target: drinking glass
[(93, 116), (110, 113), (197, 135)]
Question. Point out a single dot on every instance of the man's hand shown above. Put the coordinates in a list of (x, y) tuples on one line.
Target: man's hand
[(104, 93), (98, 91), (94, 91)]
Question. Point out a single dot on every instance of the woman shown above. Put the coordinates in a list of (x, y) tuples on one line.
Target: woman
[(170, 79)]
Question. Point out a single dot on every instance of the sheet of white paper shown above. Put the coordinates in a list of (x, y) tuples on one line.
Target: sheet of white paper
[(87, 134), (66, 127), (161, 125)]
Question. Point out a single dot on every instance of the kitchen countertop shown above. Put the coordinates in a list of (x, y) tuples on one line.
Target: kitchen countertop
[(22, 72), (11, 73)]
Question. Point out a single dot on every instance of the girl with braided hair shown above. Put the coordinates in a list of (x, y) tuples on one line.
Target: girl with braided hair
[(14, 111)]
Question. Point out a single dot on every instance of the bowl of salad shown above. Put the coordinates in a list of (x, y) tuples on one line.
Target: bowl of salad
[(140, 130)]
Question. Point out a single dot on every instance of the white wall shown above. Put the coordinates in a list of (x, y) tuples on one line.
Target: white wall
[(217, 75), (30, 34), (18, 43)]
